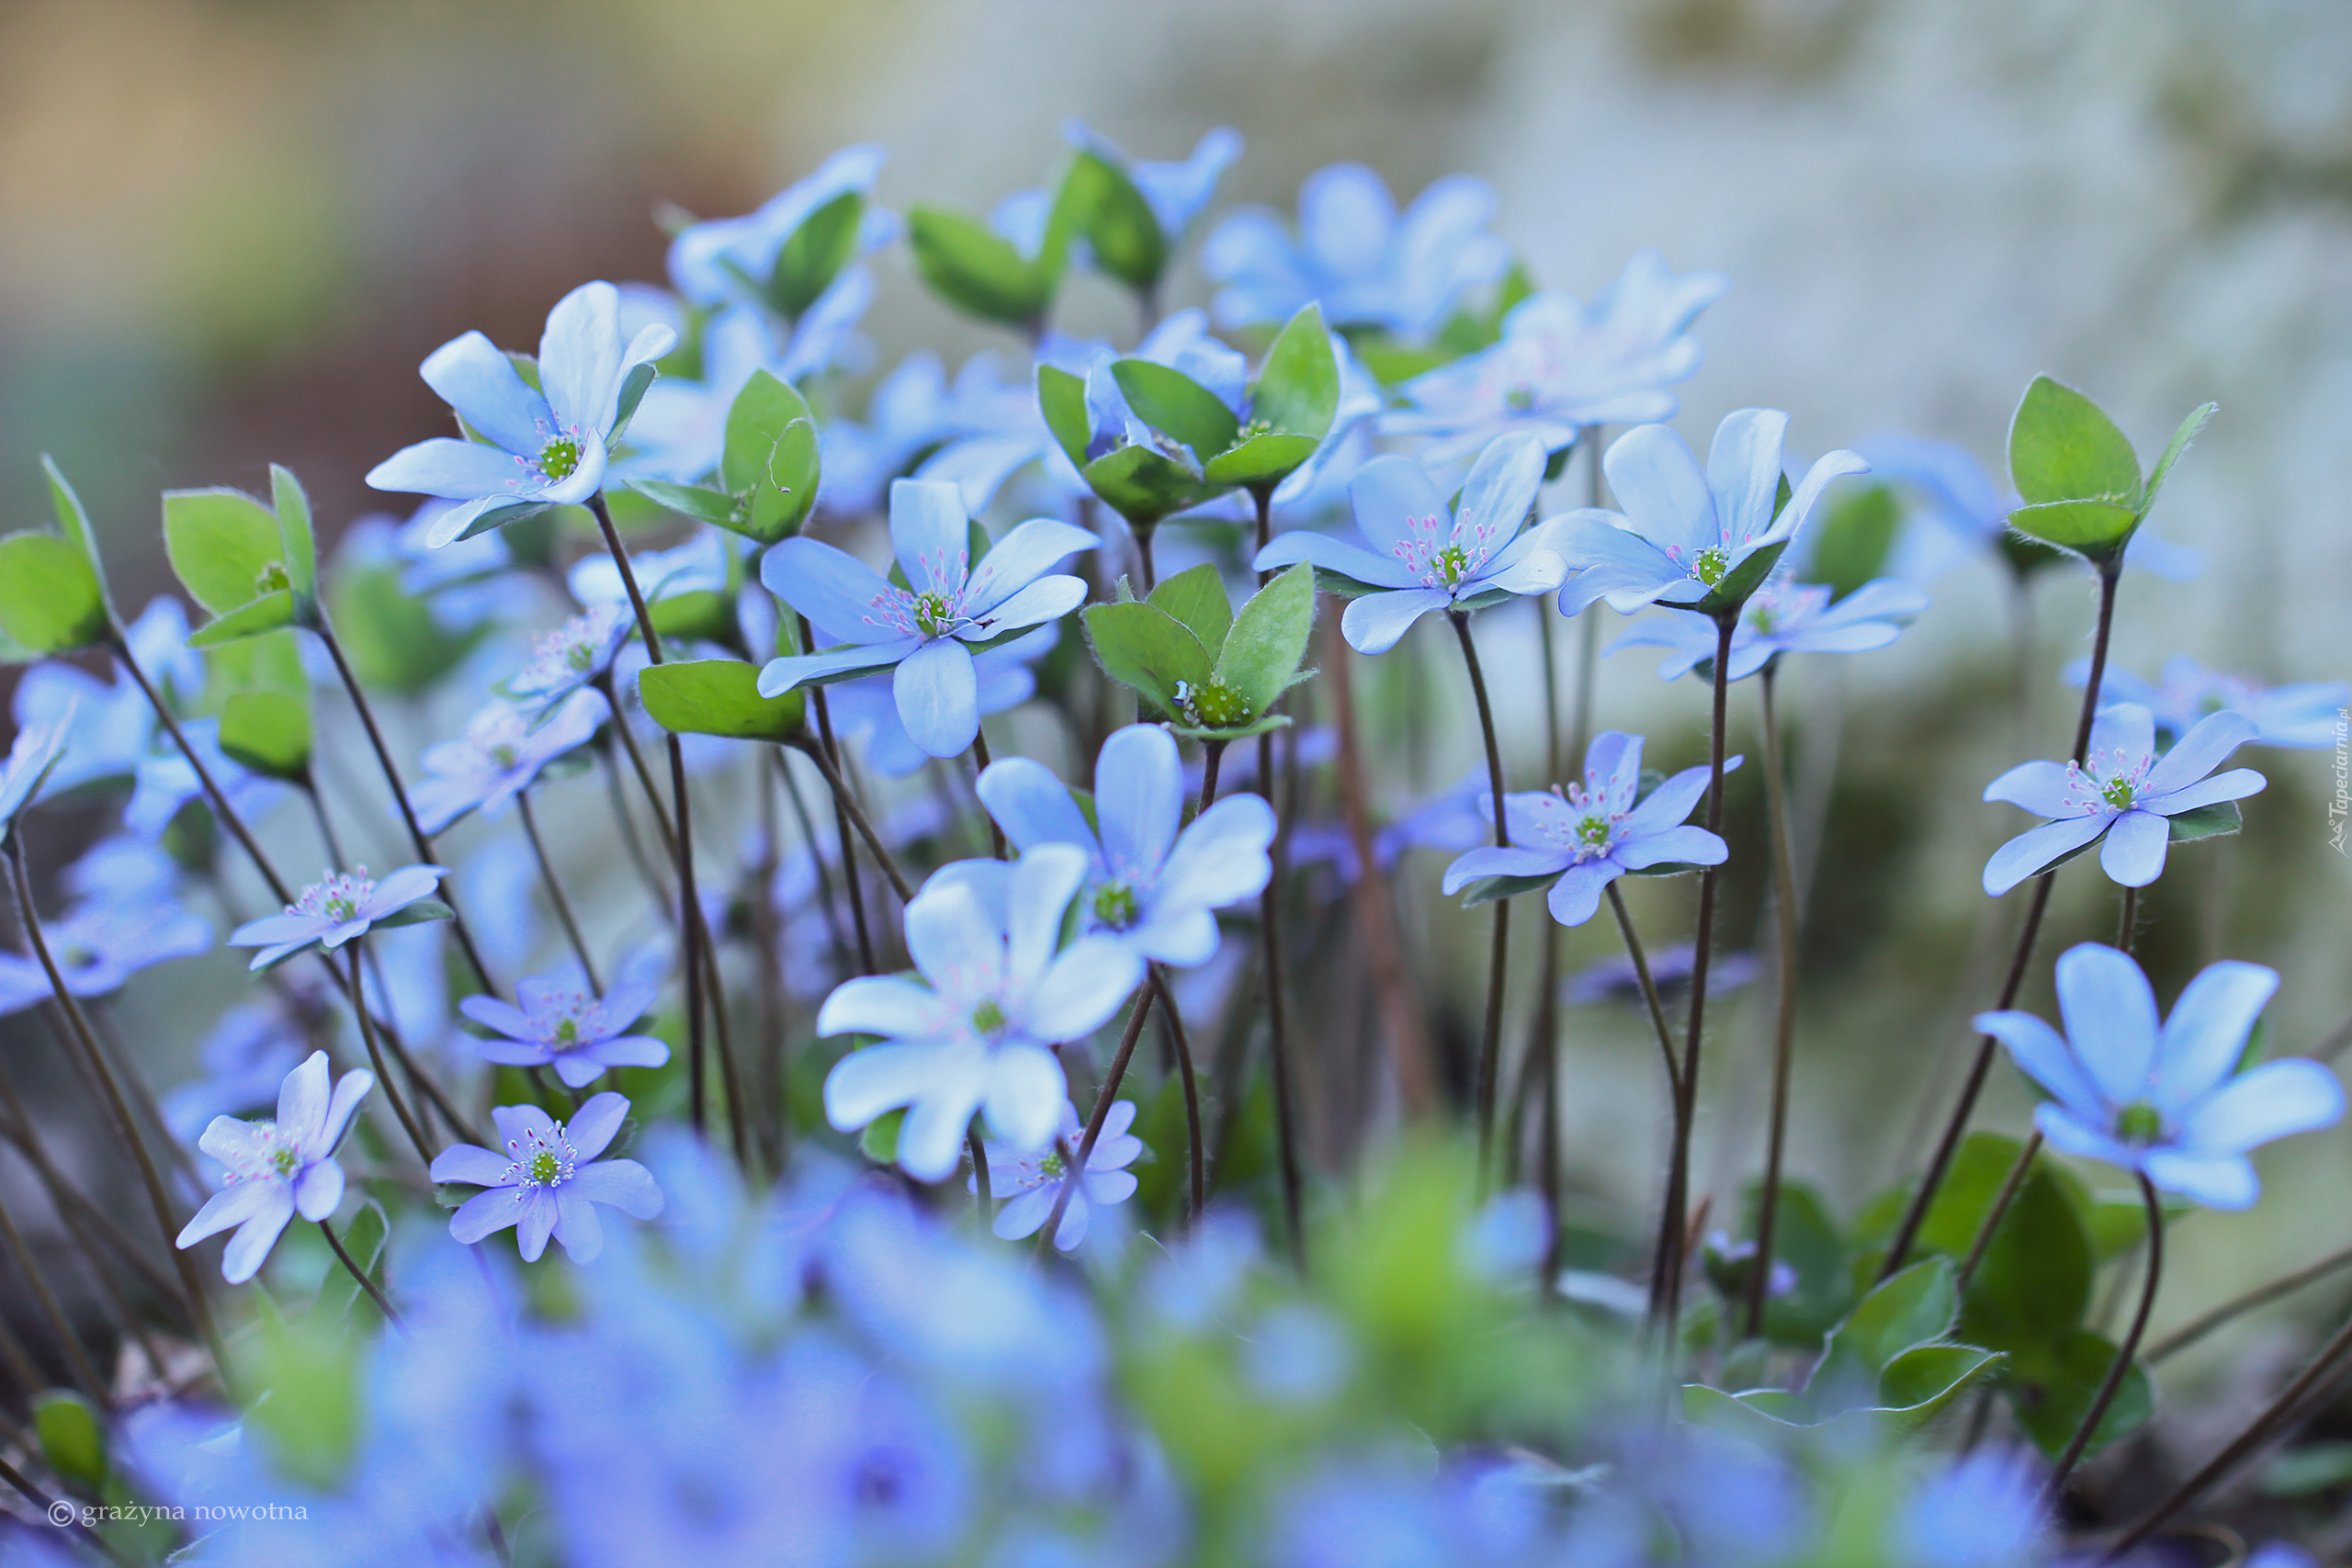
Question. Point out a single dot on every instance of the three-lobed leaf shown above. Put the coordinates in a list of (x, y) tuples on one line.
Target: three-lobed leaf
[(976, 269), (1262, 653), (815, 252), (51, 601), (1143, 647), (718, 696), (1298, 387), (2063, 447), (1169, 401)]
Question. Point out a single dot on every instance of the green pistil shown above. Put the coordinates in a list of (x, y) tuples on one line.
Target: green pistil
[(580, 656), (989, 1018), (1213, 707), (2139, 1123), (2117, 791), (1710, 566), (1453, 560), (283, 1160), (567, 1032), (503, 755), (544, 1168), (340, 908), (271, 579), (932, 613), (559, 459), (1519, 399), (1114, 904), (1592, 830), (1052, 1164)]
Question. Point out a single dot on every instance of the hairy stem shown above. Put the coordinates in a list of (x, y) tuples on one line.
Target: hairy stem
[(2056, 1486), (351, 1267), (1103, 1098), (1784, 904), (555, 892), (1490, 1041), (1211, 755), (1192, 1095)]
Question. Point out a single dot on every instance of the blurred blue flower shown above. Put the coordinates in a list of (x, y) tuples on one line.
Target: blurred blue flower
[(1982, 1511), (923, 627), (957, 430), (1616, 980), (338, 907), (1151, 889), (1685, 529), (569, 657), (2167, 1101), (975, 1031), (547, 444), (704, 564), (1367, 265), (277, 1169), (31, 758), (554, 1022), (1174, 191), (1561, 364), (1782, 616), (500, 755), (1433, 555), (2122, 792), (167, 782), (1593, 833), (102, 941), (2302, 717), (245, 1056), (724, 260), (679, 429), (1025, 1181), (548, 1180), (1004, 677)]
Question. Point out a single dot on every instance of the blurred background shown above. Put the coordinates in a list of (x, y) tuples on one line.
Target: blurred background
[(229, 231)]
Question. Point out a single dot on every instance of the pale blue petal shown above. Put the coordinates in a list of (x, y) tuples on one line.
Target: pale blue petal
[(249, 1248), (2110, 1019), (1335, 556), (1026, 1093), (1018, 559), (486, 1213), (1675, 846), (489, 393), (2200, 752), (2218, 1182), (1082, 989), (593, 1125), (931, 1140), (1221, 858), (576, 1226), (2069, 1133), (1032, 806), (459, 470), (1048, 598), (2134, 854), (1374, 624), (864, 1084), (2206, 1030), (2272, 1100), (930, 535), (2234, 784), (2042, 1055), (938, 698), (2042, 787), (623, 1183), (318, 1192), (1501, 486), (1042, 883), (1499, 859), (580, 359), (1828, 466), (950, 938), (1389, 495), (833, 589), (1139, 799), (2034, 849), (1576, 897), (1671, 804), (781, 674), (1744, 471), (2126, 727), (1657, 480)]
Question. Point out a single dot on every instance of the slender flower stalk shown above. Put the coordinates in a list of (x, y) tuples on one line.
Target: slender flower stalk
[(555, 891), (1784, 906), (1490, 1042), (1956, 1126), (60, 1327), (1192, 1095), (351, 1267), (2181, 1339), (846, 800), (1640, 961), (1673, 1238), (407, 1118), (829, 763), (1270, 938), (1105, 1098), (2122, 1366)]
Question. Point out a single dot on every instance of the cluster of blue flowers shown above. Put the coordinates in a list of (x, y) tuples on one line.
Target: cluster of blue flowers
[(828, 1041)]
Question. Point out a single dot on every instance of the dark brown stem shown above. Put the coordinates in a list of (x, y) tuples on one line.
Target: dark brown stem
[(1957, 1126), (1192, 1094), (1490, 1041), (1649, 992), (775, 1099), (351, 1267), (60, 1327), (1104, 1098), (980, 761), (847, 801), (221, 809), (1213, 753), (376, 1058), (327, 836), (416, 833), (1143, 533), (2128, 928), (2056, 1486), (828, 762), (555, 892), (1993, 1216), (1784, 904), (2236, 1306)]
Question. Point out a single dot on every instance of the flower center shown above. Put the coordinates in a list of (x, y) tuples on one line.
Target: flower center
[(545, 1167), (1051, 1165), (504, 755), (1592, 830), (567, 1032), (2117, 791), (933, 614), (336, 897), (2104, 789), (559, 459), (284, 1158), (1710, 565), (2138, 1123), (1520, 398), (1443, 554), (1213, 707), (541, 1159), (988, 1018), (1452, 561), (271, 579), (1114, 904)]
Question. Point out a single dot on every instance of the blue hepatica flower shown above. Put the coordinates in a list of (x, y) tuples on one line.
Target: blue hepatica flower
[(1685, 529), (2165, 1101), (924, 628), (167, 782), (974, 1033), (728, 259), (1151, 888), (1181, 343), (1352, 252), (680, 428), (559, 1024), (30, 759), (500, 756), (2123, 791), (916, 410), (1782, 616), (1427, 555), (566, 660), (102, 943), (2302, 717), (1004, 677), (1561, 364), (548, 1180), (334, 910), (544, 445), (1591, 834), (278, 1169), (112, 724), (1027, 1182)]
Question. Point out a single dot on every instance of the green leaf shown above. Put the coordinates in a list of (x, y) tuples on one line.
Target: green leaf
[(1061, 397), (879, 1141), (502, 516), (51, 601), (2306, 1471), (224, 545), (268, 732), (304, 1377), (2051, 1388), (780, 501), (339, 1294), (976, 269), (418, 913), (1850, 545), (1922, 1381), (1488, 889), (1170, 402), (718, 696), (815, 254), (1742, 580), (1916, 1308), (2089, 527), (2206, 821), (1262, 460), (75, 521), (1196, 597), (1144, 647), (1298, 387), (689, 501), (296, 545), (633, 389), (2034, 1284), (1231, 732), (389, 634), (2063, 447), (1269, 637), (1118, 223), (267, 614), (703, 615), (755, 422), (2173, 449), (271, 662), (1143, 484), (71, 1439)]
